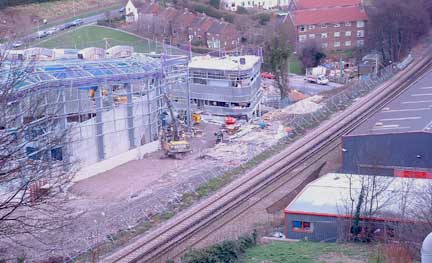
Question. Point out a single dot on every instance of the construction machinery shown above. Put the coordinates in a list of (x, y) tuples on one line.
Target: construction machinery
[(173, 144), (196, 117)]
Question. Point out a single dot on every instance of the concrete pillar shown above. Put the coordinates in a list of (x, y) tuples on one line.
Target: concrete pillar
[(130, 117), (99, 124)]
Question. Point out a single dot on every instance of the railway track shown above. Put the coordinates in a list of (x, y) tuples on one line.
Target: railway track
[(193, 225)]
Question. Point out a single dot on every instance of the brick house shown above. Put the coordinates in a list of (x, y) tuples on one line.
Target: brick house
[(199, 27), (222, 35), (336, 25)]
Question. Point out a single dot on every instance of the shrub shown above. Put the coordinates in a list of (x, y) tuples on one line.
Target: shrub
[(226, 252), (215, 3), (262, 18), (241, 10)]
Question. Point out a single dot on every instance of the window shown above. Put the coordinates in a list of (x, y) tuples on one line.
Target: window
[(323, 25), (360, 24), (336, 44), (310, 27), (302, 226), (360, 33), (348, 43), (324, 35), (302, 38), (302, 28), (311, 36), (360, 42), (324, 45), (337, 25), (336, 34), (347, 23), (348, 33)]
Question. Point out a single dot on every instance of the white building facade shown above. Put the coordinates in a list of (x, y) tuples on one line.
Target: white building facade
[(232, 5)]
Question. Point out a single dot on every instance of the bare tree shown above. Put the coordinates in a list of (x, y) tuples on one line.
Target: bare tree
[(34, 168), (311, 54), (395, 26)]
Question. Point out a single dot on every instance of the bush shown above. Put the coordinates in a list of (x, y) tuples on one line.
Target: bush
[(262, 18), (241, 10), (226, 252), (213, 12), (215, 3)]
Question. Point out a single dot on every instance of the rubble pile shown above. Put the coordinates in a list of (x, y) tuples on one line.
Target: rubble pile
[(308, 105)]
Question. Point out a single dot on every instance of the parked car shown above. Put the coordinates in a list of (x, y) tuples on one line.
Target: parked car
[(122, 10), (267, 75), (52, 30), (41, 34), (77, 22), (17, 44)]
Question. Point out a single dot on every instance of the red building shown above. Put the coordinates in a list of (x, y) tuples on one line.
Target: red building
[(334, 24)]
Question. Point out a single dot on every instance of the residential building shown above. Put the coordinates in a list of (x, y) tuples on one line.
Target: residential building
[(224, 86), (334, 24), (222, 35), (325, 209), (259, 4), (397, 140)]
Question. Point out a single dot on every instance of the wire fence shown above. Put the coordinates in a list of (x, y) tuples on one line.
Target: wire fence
[(105, 229)]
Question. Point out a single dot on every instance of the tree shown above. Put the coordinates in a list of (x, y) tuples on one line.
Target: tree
[(215, 3), (241, 10), (395, 26), (276, 54), (34, 168), (311, 54)]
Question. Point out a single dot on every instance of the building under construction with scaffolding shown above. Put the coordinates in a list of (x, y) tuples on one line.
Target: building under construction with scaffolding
[(226, 85), (110, 101)]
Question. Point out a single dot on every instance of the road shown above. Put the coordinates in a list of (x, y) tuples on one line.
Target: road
[(297, 82)]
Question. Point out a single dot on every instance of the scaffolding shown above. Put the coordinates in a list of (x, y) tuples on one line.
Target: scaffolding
[(108, 105)]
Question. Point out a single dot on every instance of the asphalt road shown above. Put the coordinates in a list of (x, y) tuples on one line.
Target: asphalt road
[(297, 82)]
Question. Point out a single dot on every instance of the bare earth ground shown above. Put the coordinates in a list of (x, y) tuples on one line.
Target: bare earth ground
[(133, 177)]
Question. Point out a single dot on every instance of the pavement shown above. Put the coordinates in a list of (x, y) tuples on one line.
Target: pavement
[(297, 82)]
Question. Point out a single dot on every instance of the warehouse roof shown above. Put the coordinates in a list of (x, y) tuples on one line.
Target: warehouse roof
[(410, 112), (331, 195)]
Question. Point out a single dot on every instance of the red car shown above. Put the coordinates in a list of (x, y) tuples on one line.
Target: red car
[(267, 75)]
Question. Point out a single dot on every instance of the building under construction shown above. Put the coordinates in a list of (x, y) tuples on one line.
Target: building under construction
[(109, 101), (226, 86)]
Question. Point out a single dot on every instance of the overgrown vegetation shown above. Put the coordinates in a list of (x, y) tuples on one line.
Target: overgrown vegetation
[(213, 12), (225, 252), (311, 54), (263, 18)]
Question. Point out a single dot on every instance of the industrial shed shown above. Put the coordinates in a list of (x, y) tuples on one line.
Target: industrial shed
[(397, 140), (324, 210)]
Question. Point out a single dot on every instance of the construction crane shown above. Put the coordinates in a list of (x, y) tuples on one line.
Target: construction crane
[(172, 144)]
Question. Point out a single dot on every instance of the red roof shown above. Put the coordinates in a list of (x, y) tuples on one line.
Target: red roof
[(307, 4), (328, 15)]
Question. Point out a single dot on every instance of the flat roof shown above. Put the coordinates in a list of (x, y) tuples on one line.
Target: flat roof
[(409, 112), (224, 63), (331, 195)]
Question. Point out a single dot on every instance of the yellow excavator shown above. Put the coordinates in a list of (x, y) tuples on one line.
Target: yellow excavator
[(172, 144)]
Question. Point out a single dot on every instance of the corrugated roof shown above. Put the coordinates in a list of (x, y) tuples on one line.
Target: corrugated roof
[(327, 15), (330, 195), (410, 112), (306, 4)]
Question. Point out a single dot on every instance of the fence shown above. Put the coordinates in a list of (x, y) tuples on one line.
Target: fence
[(137, 214)]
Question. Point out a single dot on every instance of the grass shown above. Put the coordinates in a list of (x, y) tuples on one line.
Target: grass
[(295, 65), (309, 252), (96, 36)]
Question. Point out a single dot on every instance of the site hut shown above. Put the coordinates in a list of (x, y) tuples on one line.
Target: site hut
[(397, 140), (325, 209), (223, 86), (108, 102)]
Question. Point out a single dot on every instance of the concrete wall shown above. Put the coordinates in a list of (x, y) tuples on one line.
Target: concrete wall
[(380, 154)]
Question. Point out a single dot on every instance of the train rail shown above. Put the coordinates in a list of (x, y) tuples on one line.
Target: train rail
[(183, 230)]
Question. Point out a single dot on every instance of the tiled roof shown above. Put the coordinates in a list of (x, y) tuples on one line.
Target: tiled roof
[(307, 4), (327, 15)]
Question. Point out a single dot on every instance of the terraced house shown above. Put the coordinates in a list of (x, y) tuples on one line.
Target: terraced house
[(335, 24)]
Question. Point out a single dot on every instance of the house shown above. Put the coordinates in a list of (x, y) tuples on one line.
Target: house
[(199, 27), (325, 209), (222, 35), (233, 5), (336, 25), (132, 10)]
